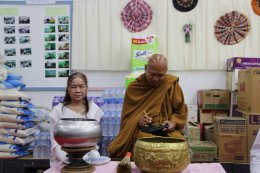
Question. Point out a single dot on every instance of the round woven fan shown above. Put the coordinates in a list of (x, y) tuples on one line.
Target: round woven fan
[(184, 5), (231, 28), (136, 16), (256, 6)]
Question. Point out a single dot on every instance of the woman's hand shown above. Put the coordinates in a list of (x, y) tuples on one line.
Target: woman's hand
[(171, 126), (144, 121)]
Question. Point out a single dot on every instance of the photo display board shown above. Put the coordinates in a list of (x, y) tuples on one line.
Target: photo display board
[(35, 41)]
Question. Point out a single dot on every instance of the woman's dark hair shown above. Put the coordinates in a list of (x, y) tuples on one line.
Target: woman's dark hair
[(67, 98)]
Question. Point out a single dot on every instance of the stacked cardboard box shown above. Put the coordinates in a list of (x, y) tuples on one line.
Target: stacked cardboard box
[(234, 65), (208, 132), (253, 125), (207, 116), (230, 137), (249, 90), (203, 151), (193, 131), (248, 102), (211, 103)]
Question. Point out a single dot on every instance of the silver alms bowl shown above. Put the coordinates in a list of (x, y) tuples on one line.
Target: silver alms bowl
[(77, 132)]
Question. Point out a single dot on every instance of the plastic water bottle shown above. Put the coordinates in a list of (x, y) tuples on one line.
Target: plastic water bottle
[(111, 100), (121, 99), (117, 99), (55, 101), (105, 100), (110, 139), (104, 146), (91, 99), (61, 98), (110, 124), (117, 123), (98, 101), (104, 124), (41, 145)]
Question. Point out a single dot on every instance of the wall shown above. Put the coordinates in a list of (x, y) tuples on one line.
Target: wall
[(190, 81)]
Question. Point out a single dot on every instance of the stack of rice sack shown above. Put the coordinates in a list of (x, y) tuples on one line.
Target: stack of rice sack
[(7, 79), (11, 81), (16, 123)]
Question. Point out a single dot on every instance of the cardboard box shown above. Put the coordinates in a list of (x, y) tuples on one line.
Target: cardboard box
[(229, 125), (242, 63), (192, 113), (230, 137), (232, 148), (234, 65), (249, 90), (193, 131), (213, 99), (203, 151), (253, 125), (209, 132), (207, 116)]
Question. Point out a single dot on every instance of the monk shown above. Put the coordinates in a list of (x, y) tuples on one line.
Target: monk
[(154, 98)]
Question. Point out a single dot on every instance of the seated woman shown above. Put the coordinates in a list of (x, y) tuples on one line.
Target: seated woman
[(74, 105)]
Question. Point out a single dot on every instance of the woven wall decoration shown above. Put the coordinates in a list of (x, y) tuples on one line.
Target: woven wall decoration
[(256, 6), (184, 5), (136, 16), (231, 28)]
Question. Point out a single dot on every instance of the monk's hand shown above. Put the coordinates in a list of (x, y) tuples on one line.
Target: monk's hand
[(171, 126), (144, 121)]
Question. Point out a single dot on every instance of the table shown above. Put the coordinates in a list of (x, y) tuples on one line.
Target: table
[(111, 168)]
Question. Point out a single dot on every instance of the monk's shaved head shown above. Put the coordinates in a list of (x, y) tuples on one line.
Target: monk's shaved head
[(155, 70), (158, 59)]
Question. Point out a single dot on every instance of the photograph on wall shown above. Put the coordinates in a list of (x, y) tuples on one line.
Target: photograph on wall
[(50, 37), (64, 64), (50, 46), (49, 29), (63, 37), (49, 20), (10, 52), (24, 29), (26, 51), (9, 29), (26, 63), (33, 43), (9, 40), (50, 55), (10, 63), (64, 73), (63, 19), (63, 55), (24, 20), (63, 28), (64, 46), (9, 20), (50, 73), (50, 64), (25, 39)]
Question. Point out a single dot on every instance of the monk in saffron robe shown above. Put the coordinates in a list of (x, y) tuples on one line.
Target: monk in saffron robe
[(154, 98)]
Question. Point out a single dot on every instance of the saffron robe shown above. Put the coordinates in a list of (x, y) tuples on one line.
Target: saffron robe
[(165, 102)]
